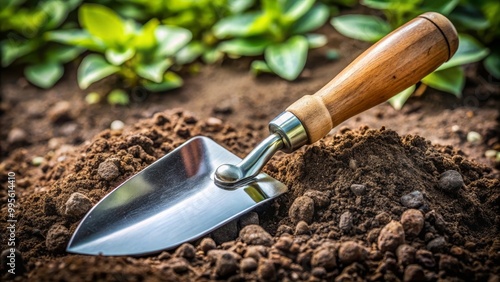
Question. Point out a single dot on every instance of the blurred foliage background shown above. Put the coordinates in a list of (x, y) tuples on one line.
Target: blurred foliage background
[(145, 43)]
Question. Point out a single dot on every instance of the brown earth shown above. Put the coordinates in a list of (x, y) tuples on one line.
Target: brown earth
[(363, 204)]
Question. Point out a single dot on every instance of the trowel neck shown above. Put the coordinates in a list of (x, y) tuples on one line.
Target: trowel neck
[(291, 130), (287, 134)]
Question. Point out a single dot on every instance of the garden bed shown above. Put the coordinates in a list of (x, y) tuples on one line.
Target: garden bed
[(394, 159)]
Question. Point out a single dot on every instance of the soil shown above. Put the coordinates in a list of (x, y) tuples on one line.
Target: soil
[(387, 195)]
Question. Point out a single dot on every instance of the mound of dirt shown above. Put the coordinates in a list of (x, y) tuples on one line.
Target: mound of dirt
[(363, 205)]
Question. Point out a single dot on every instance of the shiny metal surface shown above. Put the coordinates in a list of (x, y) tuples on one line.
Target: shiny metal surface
[(230, 175), (287, 134), (172, 201), (291, 130)]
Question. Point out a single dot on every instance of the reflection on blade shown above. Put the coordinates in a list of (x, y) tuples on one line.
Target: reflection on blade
[(172, 201)]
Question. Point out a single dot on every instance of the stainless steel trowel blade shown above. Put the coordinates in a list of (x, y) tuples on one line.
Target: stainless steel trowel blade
[(172, 201)]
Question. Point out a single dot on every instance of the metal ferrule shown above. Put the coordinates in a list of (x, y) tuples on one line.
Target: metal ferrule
[(291, 130), (287, 134)]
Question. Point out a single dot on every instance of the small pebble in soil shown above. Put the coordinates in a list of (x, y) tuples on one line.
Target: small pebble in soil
[(491, 154), (449, 264), (178, 265), (255, 235), (345, 222), (405, 254), (117, 125), (248, 264), (350, 252), (282, 229), (255, 252), (455, 128), (226, 265), (36, 161), (77, 205), (413, 200), (413, 222), (226, 233), (414, 272), (302, 228), (318, 272), (284, 242), (186, 251), (17, 135), (358, 189), (474, 137), (57, 238), (451, 181), (383, 218), (207, 244), (214, 124), (249, 219), (266, 270), (391, 236), (324, 257), (437, 245), (302, 209), (108, 170), (425, 258), (320, 199)]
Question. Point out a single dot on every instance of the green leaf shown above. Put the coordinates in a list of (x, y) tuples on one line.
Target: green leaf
[(237, 25), (153, 71), (400, 99), (294, 9), (118, 97), (103, 23), (316, 40), (469, 17), (259, 66), (76, 37), (313, 19), (451, 80), (56, 12), (288, 59), (15, 49), (170, 81), (469, 51), (118, 57), (189, 53), (211, 56), (94, 68), (238, 6), (44, 75), (361, 27), (63, 54), (170, 40), (440, 6), (245, 46), (492, 64), (378, 4), (272, 8), (146, 38)]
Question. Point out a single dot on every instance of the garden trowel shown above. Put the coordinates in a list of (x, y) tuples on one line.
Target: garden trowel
[(200, 186)]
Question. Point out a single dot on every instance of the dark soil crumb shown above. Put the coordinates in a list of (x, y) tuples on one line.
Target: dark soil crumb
[(343, 219)]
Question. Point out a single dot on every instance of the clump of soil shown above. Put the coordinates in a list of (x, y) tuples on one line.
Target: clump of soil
[(362, 205)]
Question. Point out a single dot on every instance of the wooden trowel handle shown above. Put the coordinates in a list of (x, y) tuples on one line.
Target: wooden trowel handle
[(393, 64)]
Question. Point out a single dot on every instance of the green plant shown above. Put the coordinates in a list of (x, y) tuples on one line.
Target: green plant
[(481, 19), (140, 55), (449, 77), (198, 16), (25, 25), (279, 31)]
